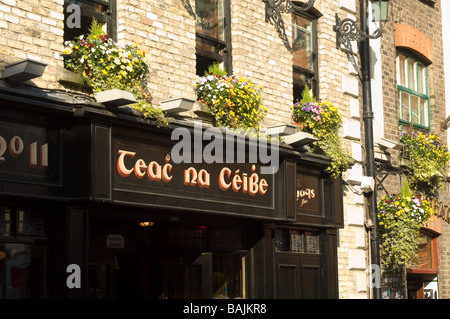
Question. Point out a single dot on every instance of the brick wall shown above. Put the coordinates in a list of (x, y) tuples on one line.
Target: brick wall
[(32, 29), (444, 262), (259, 54), (413, 24), (413, 18), (339, 84), (166, 32)]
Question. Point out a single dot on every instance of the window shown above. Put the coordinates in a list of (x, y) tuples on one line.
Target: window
[(102, 10), (21, 223), (304, 52), (412, 92), (297, 241), (22, 253), (213, 36)]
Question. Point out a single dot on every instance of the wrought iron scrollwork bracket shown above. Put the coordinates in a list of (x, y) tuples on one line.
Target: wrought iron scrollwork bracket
[(348, 30), (278, 6), (274, 9)]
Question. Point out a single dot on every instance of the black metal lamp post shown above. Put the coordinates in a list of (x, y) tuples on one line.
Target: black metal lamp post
[(347, 30)]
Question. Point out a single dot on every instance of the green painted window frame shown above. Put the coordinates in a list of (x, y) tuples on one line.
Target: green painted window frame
[(424, 119)]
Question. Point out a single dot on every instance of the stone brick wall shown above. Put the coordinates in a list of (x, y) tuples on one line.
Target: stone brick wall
[(166, 32), (339, 84), (33, 29), (259, 54)]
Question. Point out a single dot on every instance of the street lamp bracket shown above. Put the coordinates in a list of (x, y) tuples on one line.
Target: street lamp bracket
[(348, 30)]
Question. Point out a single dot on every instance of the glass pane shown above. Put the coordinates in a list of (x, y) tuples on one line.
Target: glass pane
[(421, 87), (210, 18), (415, 110), (89, 10), (22, 272), (302, 42), (30, 224), (312, 242), (424, 112), (282, 239), (411, 74), (5, 221), (297, 241), (228, 276), (401, 70), (405, 106)]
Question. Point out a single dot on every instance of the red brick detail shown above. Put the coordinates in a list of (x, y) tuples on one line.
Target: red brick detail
[(412, 39)]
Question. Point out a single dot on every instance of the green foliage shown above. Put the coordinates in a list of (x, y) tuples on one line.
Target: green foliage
[(323, 121), (95, 30), (307, 96), (400, 217), (216, 69), (105, 65), (330, 143), (399, 244), (428, 159), (405, 190), (233, 101)]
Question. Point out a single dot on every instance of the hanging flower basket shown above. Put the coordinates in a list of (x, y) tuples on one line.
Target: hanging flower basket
[(428, 160), (232, 100), (400, 217), (323, 120)]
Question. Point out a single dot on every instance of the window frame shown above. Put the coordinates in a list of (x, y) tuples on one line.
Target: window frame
[(110, 16), (313, 74), (412, 92), (222, 45)]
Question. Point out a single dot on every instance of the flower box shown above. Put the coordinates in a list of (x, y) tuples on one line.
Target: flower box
[(203, 112), (115, 98), (281, 130), (177, 105), (24, 70), (299, 139)]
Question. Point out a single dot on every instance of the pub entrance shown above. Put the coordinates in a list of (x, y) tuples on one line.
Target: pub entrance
[(167, 261), (299, 267)]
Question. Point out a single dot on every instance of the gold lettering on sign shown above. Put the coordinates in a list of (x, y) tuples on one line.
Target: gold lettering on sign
[(304, 195), (238, 181), (440, 209), (154, 171), (242, 183)]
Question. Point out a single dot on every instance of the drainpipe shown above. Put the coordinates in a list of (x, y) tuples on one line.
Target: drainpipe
[(371, 197)]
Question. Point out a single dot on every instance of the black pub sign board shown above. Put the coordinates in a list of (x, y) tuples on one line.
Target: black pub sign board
[(145, 172)]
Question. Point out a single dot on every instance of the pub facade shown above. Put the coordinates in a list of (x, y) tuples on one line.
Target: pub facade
[(98, 188)]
